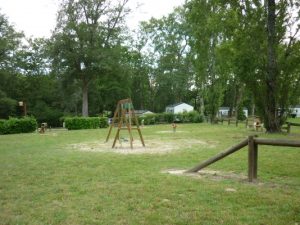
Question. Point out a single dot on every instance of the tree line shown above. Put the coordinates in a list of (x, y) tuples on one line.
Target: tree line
[(206, 53)]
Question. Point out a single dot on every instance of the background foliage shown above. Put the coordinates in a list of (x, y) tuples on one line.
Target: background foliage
[(205, 53)]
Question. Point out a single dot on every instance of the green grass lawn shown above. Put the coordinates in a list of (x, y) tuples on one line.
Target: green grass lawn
[(45, 181), (294, 120)]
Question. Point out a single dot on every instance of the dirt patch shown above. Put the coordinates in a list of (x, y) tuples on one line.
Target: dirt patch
[(222, 175), (161, 146), (211, 174), (169, 131)]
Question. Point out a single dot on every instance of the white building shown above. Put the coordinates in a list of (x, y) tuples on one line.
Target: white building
[(295, 110), (179, 108), (224, 111)]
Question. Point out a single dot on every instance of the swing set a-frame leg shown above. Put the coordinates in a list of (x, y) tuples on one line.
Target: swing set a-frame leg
[(113, 122), (116, 138), (109, 132), (141, 137)]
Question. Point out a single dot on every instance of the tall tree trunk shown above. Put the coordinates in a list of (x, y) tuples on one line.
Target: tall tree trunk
[(238, 98), (253, 106), (271, 120), (85, 103), (202, 107)]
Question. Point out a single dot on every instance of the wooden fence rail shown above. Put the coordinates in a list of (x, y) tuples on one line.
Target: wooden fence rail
[(252, 142), (219, 156), (289, 125)]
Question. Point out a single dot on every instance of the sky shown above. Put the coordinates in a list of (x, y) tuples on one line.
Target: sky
[(38, 17)]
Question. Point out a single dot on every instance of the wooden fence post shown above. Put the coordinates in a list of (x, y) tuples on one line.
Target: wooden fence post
[(252, 159)]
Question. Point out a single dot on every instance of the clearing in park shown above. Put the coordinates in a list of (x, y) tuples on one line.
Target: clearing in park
[(77, 178)]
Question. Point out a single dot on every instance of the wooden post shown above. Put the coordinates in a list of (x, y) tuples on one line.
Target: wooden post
[(252, 159), (138, 128), (277, 142), (113, 122)]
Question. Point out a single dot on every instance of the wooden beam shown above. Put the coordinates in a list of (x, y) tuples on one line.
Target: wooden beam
[(219, 156), (112, 122), (252, 159), (275, 142)]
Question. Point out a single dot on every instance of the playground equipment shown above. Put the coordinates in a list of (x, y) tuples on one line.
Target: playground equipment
[(124, 116), (252, 142)]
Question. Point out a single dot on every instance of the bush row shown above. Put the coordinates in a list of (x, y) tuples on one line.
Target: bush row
[(78, 123), (15, 125), (186, 117)]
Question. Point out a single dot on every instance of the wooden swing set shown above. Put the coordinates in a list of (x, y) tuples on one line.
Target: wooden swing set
[(123, 117)]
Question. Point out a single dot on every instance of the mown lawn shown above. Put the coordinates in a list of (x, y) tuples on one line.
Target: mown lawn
[(294, 120), (44, 181)]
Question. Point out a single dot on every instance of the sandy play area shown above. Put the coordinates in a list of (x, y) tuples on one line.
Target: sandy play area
[(160, 146)]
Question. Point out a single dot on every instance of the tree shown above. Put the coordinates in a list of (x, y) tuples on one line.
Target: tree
[(206, 37), (11, 82), (85, 34), (171, 68), (272, 123), (265, 52), (261, 50), (10, 41)]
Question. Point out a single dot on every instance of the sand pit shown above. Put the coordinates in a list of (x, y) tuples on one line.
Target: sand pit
[(152, 146)]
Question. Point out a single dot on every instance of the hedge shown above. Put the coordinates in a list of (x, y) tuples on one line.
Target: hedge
[(15, 125), (186, 117), (78, 123), (103, 122)]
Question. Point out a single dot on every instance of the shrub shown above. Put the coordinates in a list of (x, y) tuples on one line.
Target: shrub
[(195, 117), (46, 114), (78, 123), (168, 117), (2, 124), (189, 117), (8, 107), (241, 114), (150, 119), (186, 117), (51, 117), (15, 125), (103, 122)]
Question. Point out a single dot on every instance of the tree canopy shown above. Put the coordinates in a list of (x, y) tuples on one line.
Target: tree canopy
[(205, 53)]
